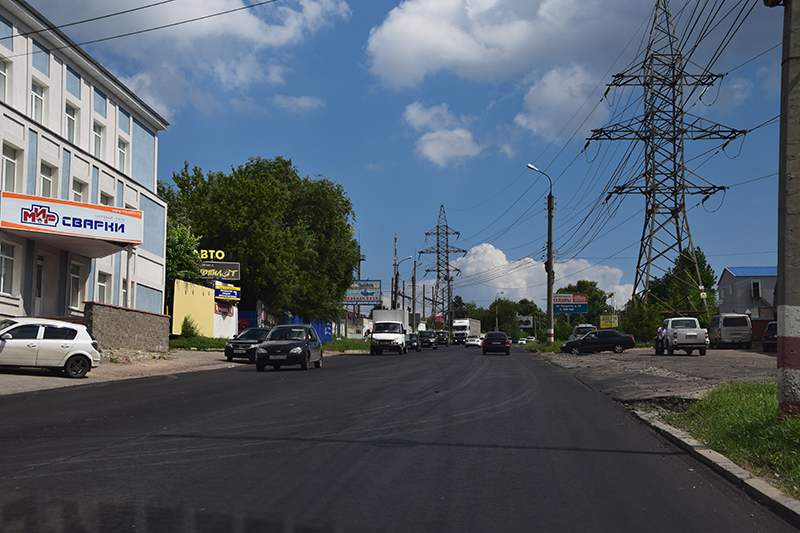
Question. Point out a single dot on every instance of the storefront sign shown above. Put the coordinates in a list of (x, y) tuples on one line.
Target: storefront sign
[(220, 271), (61, 217), (223, 309), (363, 292), (227, 293)]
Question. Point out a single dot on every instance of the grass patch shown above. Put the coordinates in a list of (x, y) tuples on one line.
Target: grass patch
[(740, 421), (197, 342), (342, 345), (543, 347)]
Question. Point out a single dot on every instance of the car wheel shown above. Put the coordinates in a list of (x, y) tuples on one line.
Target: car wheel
[(576, 351), (260, 366), (77, 366), (702, 351), (508, 352), (688, 352), (318, 364), (748, 345), (484, 352), (306, 364), (229, 357), (618, 348), (670, 350)]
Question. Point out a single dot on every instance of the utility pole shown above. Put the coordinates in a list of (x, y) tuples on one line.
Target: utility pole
[(663, 127), (548, 266), (443, 267), (788, 290)]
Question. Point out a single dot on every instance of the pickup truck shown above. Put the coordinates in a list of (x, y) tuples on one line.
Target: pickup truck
[(684, 334)]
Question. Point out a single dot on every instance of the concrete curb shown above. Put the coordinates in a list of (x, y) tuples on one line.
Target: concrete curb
[(759, 490)]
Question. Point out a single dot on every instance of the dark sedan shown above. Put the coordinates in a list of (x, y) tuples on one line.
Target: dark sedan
[(427, 339), (245, 344), (602, 340), (295, 344), (496, 341), (414, 343)]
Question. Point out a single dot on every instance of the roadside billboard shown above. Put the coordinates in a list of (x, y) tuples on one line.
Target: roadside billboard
[(363, 292), (571, 303), (609, 321)]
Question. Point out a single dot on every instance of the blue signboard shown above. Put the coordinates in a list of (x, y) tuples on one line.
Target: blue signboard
[(227, 293), (571, 308), (363, 292)]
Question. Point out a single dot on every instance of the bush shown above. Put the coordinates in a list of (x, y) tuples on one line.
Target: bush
[(189, 328)]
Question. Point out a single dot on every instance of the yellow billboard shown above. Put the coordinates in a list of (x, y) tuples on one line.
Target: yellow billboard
[(609, 321)]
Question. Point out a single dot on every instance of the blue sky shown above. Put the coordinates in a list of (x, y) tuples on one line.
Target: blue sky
[(417, 104)]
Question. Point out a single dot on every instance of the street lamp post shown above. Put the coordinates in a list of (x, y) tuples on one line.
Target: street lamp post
[(496, 324), (549, 263), (396, 285)]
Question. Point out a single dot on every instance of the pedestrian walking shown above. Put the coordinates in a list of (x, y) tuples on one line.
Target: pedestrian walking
[(660, 340)]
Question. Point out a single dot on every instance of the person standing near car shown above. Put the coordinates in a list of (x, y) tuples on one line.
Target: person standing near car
[(660, 340)]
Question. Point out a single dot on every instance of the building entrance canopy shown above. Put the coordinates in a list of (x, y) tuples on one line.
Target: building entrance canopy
[(87, 229)]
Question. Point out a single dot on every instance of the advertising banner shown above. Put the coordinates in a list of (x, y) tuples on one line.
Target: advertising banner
[(220, 271), (74, 219), (363, 292), (609, 321), (571, 303), (227, 293), (525, 321)]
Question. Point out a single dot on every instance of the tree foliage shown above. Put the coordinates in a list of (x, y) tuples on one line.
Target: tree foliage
[(676, 290), (292, 236), (181, 261)]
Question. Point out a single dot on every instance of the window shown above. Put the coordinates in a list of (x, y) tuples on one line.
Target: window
[(74, 285), (59, 333), (27, 332), (78, 189), (46, 181), (9, 168), (124, 121), (124, 300), (6, 268), (102, 287), (70, 123), (37, 102), (755, 288), (98, 132), (122, 152), (106, 199), (3, 80)]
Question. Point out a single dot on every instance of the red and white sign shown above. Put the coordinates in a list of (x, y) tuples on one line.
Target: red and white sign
[(222, 309), (61, 217), (570, 298)]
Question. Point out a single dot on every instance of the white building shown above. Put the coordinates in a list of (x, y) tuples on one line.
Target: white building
[(79, 216)]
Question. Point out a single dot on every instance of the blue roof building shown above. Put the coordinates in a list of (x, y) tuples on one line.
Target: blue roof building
[(748, 290)]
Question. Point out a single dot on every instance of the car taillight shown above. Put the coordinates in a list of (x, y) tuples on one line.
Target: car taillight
[(95, 345), (508, 342)]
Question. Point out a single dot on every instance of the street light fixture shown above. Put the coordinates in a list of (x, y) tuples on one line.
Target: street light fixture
[(548, 266), (496, 325), (396, 284)]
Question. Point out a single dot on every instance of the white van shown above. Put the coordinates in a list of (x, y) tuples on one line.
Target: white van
[(730, 329)]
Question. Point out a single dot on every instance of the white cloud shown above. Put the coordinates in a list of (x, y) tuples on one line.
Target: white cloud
[(298, 104), (551, 103), (526, 278), (447, 140)]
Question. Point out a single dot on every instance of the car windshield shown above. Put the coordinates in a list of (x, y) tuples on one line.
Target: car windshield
[(427, 334), (5, 324), (386, 327), (253, 334), (285, 334)]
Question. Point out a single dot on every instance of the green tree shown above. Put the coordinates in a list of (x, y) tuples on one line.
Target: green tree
[(641, 320), (292, 236), (676, 291), (182, 263)]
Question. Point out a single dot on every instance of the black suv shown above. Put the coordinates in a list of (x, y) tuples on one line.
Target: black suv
[(427, 339), (443, 337), (413, 342)]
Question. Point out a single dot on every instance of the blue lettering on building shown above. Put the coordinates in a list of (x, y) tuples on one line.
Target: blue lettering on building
[(87, 223)]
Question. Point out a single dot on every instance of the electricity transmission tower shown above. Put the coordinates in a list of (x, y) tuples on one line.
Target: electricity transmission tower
[(443, 297), (664, 126)]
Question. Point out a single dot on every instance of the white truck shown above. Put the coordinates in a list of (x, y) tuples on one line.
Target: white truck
[(389, 331), (685, 334), (464, 327)]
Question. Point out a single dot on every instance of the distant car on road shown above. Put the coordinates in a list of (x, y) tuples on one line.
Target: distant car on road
[(292, 344), (769, 341), (427, 339), (496, 341), (603, 340), (443, 337), (54, 344), (526, 340), (414, 343), (472, 340), (245, 344)]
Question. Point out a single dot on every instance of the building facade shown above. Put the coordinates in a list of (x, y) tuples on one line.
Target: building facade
[(748, 290), (80, 219)]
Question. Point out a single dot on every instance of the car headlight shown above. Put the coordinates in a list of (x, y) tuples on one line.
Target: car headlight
[(296, 350), (255, 345)]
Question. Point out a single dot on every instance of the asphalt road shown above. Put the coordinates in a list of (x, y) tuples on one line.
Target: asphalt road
[(445, 440)]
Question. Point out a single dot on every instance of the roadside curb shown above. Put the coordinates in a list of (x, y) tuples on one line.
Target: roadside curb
[(761, 491)]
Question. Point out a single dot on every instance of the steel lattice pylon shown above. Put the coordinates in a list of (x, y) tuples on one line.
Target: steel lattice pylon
[(663, 128), (443, 298)]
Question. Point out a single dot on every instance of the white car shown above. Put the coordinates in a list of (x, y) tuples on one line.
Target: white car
[(526, 340), (48, 343), (472, 340)]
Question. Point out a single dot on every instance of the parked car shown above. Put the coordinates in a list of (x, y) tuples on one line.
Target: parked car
[(684, 333), (245, 344), (496, 341), (769, 341), (472, 340), (580, 330), (443, 337), (60, 346), (730, 329), (413, 342), (526, 340), (427, 339), (603, 340), (291, 344)]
